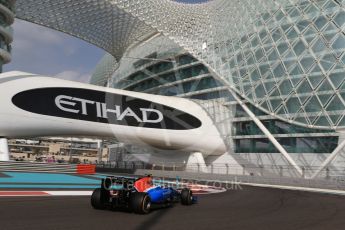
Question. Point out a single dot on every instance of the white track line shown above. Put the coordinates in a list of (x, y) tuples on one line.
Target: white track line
[(200, 190), (69, 193), (305, 189)]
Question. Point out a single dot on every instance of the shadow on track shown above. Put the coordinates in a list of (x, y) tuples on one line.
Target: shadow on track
[(154, 218)]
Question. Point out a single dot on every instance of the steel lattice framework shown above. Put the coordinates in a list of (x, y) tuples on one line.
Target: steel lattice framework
[(104, 70), (284, 56)]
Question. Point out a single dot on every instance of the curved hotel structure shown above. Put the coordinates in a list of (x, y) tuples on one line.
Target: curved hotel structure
[(163, 68), (270, 73)]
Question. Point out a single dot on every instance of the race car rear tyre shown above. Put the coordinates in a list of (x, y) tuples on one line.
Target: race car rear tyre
[(186, 196), (97, 199), (140, 203)]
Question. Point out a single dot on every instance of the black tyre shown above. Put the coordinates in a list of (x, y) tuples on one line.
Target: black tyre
[(186, 196), (97, 199), (140, 203)]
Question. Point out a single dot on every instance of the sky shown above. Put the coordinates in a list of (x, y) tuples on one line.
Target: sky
[(40, 50)]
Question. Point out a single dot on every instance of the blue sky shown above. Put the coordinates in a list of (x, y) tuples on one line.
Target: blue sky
[(40, 50)]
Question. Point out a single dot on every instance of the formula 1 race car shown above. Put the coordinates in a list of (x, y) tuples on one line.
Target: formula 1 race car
[(137, 195)]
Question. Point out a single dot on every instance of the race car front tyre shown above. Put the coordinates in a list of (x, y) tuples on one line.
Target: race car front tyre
[(97, 199), (186, 196), (140, 202)]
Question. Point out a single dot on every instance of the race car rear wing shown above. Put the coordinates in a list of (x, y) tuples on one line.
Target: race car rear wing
[(118, 183)]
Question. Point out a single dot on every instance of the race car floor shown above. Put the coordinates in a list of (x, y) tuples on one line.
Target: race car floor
[(246, 208)]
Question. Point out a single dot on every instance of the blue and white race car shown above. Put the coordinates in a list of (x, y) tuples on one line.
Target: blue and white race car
[(138, 195)]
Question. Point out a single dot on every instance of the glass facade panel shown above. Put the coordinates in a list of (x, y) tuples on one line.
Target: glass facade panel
[(274, 126), (241, 113), (291, 145), (186, 59), (211, 95)]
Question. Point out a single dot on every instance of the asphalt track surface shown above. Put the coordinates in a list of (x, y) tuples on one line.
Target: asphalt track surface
[(250, 208)]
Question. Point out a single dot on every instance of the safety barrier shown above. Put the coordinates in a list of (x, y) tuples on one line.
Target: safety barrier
[(14, 166), (263, 174), (227, 169), (86, 169)]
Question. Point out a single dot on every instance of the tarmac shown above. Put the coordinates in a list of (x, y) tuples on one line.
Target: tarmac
[(246, 208)]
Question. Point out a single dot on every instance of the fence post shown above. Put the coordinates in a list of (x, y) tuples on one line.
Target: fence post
[(261, 170), (163, 167), (211, 168), (227, 169), (198, 167), (281, 171), (244, 170), (174, 169), (303, 172), (327, 173)]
